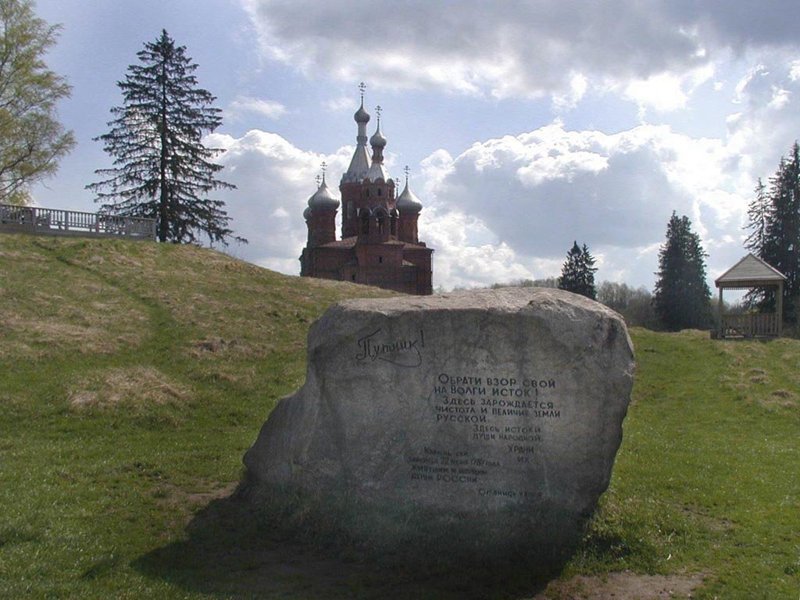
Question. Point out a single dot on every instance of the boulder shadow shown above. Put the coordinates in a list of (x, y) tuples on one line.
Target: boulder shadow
[(233, 551)]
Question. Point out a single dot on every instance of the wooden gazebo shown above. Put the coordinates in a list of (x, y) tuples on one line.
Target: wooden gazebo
[(751, 272)]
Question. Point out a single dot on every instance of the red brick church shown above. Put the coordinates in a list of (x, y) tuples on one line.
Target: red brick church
[(379, 244)]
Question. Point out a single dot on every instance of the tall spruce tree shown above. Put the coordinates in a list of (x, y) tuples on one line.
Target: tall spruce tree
[(577, 274), (682, 296), (774, 224), (161, 168), (31, 139), (758, 218), (758, 213)]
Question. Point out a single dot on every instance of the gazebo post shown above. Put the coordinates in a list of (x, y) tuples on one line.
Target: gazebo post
[(720, 328), (779, 308)]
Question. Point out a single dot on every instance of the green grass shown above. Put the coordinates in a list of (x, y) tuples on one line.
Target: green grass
[(133, 377), (707, 479)]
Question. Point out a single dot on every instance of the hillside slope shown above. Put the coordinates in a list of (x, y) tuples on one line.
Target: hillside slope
[(133, 377)]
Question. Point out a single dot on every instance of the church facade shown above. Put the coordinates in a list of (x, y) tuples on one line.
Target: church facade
[(379, 243)]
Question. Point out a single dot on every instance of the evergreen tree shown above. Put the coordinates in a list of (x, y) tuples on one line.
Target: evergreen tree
[(31, 139), (758, 217), (774, 224), (161, 168), (682, 296), (758, 213), (577, 274)]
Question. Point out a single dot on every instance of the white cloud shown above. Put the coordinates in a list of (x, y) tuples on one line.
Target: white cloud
[(578, 85), (518, 48), (780, 98), (466, 253), (340, 104), (666, 92), (794, 70), (767, 119), (274, 180), (242, 105), (528, 197), (661, 92)]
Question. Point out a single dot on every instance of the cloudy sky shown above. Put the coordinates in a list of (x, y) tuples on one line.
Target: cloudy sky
[(526, 124)]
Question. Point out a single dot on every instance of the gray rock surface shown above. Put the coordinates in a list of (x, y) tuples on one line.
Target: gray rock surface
[(493, 414)]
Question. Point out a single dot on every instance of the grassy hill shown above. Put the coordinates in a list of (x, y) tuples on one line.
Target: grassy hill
[(133, 377)]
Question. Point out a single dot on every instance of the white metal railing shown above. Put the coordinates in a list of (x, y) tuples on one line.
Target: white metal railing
[(750, 325), (56, 221)]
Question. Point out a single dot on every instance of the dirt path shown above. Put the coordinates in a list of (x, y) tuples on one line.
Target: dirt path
[(622, 586)]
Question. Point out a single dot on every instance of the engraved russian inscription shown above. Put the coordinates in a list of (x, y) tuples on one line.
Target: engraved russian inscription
[(496, 411), (405, 351), (500, 397), (450, 466)]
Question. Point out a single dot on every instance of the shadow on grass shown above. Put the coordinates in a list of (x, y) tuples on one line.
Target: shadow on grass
[(230, 552)]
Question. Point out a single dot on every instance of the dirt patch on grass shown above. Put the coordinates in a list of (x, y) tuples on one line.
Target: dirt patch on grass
[(171, 495), (622, 586), (782, 398), (704, 520), (216, 345), (757, 376), (182, 504), (142, 386)]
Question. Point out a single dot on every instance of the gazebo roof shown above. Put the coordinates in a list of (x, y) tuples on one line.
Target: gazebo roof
[(751, 271)]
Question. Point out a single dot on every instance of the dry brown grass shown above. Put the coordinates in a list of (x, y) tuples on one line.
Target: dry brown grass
[(38, 338), (129, 386), (50, 308), (752, 363), (219, 297)]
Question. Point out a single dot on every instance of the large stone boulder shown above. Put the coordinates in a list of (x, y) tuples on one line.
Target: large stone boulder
[(491, 416)]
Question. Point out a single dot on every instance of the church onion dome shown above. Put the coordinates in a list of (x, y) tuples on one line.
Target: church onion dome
[(377, 140), (361, 115), (307, 213), (408, 202), (323, 198)]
